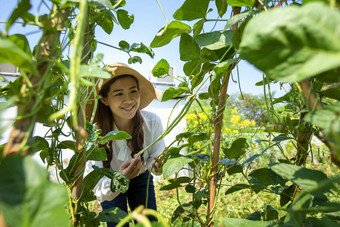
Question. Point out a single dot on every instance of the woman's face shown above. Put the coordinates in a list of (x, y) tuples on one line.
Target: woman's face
[(123, 99)]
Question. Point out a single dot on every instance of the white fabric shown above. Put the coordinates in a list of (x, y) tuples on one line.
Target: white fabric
[(121, 153)]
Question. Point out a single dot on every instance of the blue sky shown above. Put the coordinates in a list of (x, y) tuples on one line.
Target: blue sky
[(148, 21)]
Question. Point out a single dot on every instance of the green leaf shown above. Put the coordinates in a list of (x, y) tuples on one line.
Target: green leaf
[(39, 144), (192, 9), (240, 3), (141, 48), (215, 40), (174, 164), (301, 50), (222, 7), (68, 144), (90, 71), (105, 21), (188, 48), (21, 42), (264, 177), (174, 29), (197, 28), (172, 92), (237, 187), (125, 46), (96, 154), (192, 67), (199, 136), (333, 92), (235, 19), (22, 7), (222, 68), (270, 213), (237, 148), (27, 196), (317, 117), (161, 68), (10, 53), (171, 186), (135, 59), (281, 138), (239, 222), (114, 135), (124, 18), (303, 177)]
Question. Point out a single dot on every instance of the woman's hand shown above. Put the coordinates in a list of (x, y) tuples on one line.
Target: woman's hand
[(131, 168), (158, 164)]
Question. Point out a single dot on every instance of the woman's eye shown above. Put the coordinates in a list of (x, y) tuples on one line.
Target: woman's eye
[(133, 91), (118, 94)]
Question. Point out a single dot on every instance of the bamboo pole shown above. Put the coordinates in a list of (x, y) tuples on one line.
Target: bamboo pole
[(217, 140)]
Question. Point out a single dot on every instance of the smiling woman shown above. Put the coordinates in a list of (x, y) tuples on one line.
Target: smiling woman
[(123, 96)]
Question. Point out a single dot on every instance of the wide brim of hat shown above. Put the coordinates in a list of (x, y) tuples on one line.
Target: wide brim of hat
[(147, 91)]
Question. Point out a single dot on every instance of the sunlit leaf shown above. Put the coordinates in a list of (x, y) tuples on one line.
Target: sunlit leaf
[(161, 68), (192, 9), (96, 154), (22, 7), (90, 71), (26, 194), (174, 29), (172, 92), (239, 222), (240, 3), (303, 177), (291, 47), (10, 53), (174, 164), (215, 40), (188, 48)]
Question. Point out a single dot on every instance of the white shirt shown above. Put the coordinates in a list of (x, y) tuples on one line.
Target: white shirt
[(121, 153)]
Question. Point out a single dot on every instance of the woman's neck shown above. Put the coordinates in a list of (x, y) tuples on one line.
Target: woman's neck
[(126, 126)]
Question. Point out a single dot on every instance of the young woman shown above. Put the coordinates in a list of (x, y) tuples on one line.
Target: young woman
[(123, 97)]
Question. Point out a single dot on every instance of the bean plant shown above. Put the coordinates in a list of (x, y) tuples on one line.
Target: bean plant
[(291, 42)]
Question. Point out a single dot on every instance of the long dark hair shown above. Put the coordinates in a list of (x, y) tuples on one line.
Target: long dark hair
[(105, 123)]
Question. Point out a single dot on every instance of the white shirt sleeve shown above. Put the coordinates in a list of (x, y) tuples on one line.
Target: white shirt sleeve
[(102, 190), (159, 146)]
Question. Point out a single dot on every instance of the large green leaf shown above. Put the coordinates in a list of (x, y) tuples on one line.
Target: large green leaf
[(174, 29), (22, 7), (188, 48), (96, 154), (10, 53), (174, 164), (303, 177), (28, 198), (192, 9), (215, 40), (327, 117), (21, 42), (294, 43)]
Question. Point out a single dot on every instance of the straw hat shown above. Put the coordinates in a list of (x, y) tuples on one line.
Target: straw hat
[(147, 91)]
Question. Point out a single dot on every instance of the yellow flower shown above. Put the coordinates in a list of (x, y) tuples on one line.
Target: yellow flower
[(202, 116), (195, 122), (252, 122), (234, 111), (235, 118), (227, 129), (235, 131), (190, 116)]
